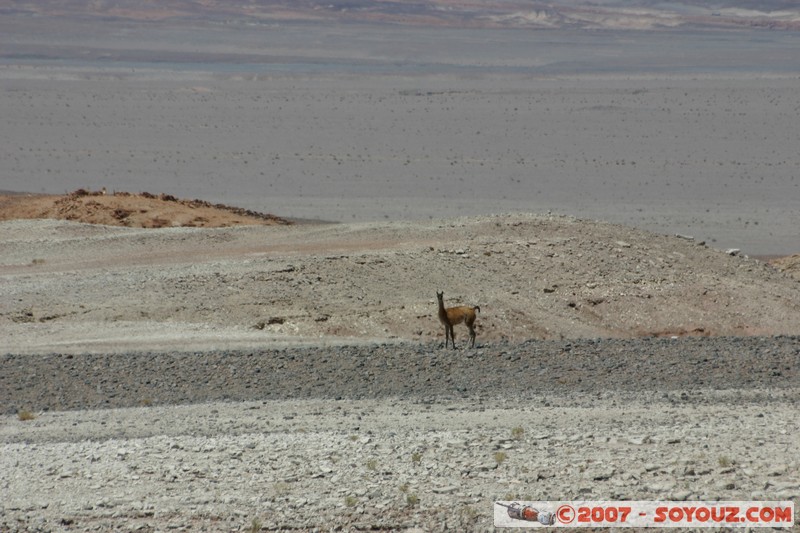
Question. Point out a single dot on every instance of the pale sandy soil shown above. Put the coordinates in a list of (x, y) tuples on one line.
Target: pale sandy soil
[(387, 465), (789, 265), (89, 287), (396, 463)]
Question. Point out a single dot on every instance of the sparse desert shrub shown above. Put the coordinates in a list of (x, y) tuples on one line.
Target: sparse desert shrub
[(517, 433), (23, 316), (469, 513), (372, 464), (26, 415), (412, 500), (350, 501), (500, 457), (255, 525), (515, 497)]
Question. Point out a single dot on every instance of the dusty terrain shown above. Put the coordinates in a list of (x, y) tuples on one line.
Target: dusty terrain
[(389, 464), (789, 265), (85, 287), (292, 377)]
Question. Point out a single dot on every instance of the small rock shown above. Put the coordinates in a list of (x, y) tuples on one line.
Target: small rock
[(486, 466), (662, 486), (681, 495), (604, 475)]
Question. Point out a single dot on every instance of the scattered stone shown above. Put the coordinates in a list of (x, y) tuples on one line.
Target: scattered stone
[(681, 495), (604, 475)]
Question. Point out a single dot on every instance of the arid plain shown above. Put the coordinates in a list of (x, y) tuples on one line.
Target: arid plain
[(292, 377)]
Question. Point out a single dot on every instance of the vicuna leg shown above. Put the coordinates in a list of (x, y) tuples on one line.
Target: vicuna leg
[(448, 332), (470, 321)]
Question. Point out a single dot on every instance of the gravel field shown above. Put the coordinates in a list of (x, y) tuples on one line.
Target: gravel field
[(391, 437), (407, 371)]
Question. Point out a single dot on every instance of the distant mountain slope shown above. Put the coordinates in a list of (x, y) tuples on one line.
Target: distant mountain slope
[(609, 14)]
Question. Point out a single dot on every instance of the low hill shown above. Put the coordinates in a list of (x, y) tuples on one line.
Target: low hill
[(143, 210), (75, 286)]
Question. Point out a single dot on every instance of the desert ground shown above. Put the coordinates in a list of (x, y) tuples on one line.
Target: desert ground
[(534, 276), (293, 376), (223, 227)]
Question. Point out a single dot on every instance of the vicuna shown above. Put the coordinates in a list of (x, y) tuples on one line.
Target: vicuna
[(456, 315)]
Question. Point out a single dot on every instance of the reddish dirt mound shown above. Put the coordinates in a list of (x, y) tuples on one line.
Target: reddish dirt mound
[(143, 210)]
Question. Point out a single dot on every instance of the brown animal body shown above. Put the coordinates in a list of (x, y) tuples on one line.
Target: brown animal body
[(456, 315)]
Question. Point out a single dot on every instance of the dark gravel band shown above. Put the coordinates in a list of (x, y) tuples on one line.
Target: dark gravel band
[(424, 371)]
